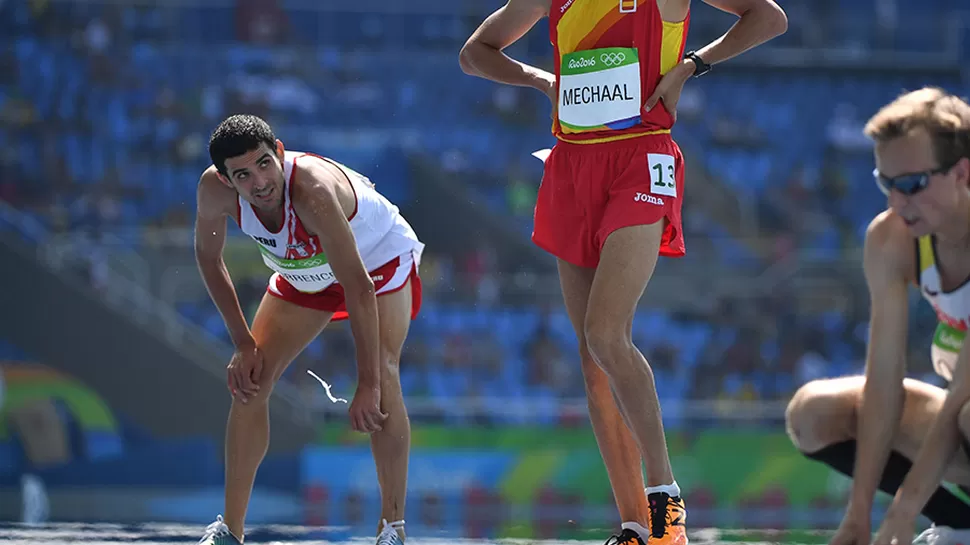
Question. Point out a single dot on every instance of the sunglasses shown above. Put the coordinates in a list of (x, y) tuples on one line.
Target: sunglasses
[(907, 184)]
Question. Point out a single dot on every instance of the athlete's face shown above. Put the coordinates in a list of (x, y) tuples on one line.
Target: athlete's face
[(258, 176), (938, 193)]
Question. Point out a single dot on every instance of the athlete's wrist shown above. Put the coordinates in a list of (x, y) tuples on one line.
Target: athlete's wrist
[(244, 341), (902, 507), (859, 505), (365, 381), (686, 68), (368, 373), (543, 81)]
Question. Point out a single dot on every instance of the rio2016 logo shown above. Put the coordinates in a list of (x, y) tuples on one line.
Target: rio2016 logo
[(582, 63)]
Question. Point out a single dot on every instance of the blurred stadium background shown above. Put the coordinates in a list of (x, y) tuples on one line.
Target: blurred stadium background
[(113, 357)]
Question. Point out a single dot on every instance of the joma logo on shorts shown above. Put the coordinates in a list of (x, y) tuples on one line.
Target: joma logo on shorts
[(646, 197)]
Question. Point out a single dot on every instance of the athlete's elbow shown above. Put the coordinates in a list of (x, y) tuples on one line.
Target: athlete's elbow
[(470, 54), (206, 258), (776, 20), (362, 293), (465, 59)]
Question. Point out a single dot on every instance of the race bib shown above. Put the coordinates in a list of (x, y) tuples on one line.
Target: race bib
[(309, 275), (663, 178), (947, 342), (599, 89)]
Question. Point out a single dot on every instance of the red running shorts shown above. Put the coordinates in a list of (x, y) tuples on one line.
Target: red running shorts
[(589, 191), (388, 278)]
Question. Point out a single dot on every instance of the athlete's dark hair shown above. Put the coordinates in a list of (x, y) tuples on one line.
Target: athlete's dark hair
[(945, 117), (237, 135)]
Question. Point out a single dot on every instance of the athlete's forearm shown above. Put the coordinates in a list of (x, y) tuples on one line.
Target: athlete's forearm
[(941, 443), (217, 282), (365, 325), (879, 415), (939, 446), (755, 27), (484, 61)]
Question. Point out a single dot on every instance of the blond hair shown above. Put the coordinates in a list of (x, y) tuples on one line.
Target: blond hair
[(944, 117)]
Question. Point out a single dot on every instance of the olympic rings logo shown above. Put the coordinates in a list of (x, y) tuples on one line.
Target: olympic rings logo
[(613, 58)]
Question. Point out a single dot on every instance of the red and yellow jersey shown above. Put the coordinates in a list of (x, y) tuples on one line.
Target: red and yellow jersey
[(609, 57)]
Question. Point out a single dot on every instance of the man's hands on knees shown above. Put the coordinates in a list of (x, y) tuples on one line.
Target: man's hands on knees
[(365, 409), (244, 371)]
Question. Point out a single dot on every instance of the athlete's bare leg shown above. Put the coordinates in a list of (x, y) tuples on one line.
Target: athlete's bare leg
[(281, 330), (825, 412), (392, 444), (627, 262), (616, 444)]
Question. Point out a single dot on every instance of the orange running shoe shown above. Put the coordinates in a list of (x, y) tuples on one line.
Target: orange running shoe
[(668, 518)]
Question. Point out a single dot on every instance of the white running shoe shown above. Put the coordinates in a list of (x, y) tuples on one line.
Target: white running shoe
[(389, 535), (218, 533), (943, 535)]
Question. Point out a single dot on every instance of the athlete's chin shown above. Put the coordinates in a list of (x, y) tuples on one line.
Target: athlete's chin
[(918, 228), (268, 206), (270, 201)]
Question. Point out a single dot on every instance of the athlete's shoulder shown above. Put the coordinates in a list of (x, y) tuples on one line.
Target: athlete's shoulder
[(317, 178), (889, 243), (313, 172), (213, 196), (209, 175), (887, 229)]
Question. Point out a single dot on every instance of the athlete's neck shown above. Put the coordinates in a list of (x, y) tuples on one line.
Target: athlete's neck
[(271, 218)]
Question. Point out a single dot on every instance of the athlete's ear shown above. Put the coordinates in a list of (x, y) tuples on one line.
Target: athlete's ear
[(225, 181), (279, 149), (962, 170)]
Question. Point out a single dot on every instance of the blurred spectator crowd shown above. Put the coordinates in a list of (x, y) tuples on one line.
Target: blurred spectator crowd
[(105, 110)]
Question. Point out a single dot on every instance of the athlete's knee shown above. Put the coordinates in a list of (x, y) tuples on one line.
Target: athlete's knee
[(391, 368), (816, 414), (266, 387), (802, 414), (257, 402), (268, 377), (608, 346)]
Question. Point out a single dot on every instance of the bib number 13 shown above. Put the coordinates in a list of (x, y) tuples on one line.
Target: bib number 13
[(663, 180)]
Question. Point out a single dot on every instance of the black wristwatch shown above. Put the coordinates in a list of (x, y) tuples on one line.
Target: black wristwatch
[(700, 67)]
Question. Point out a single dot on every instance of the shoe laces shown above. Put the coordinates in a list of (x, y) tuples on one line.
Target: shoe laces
[(627, 536), (216, 529), (659, 514), (389, 535)]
